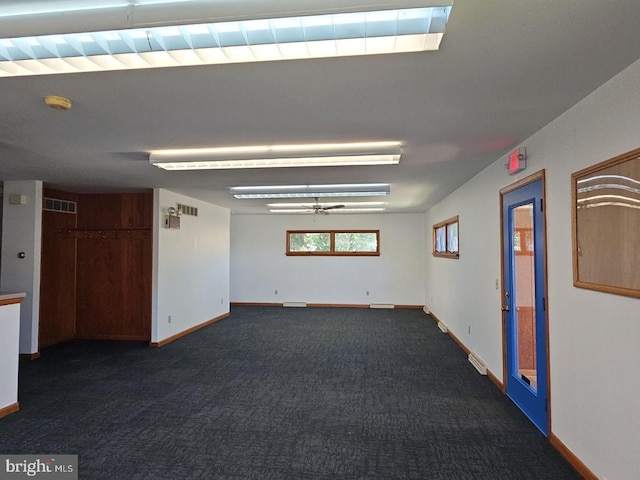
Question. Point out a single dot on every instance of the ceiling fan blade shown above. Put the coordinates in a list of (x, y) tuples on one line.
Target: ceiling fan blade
[(333, 206)]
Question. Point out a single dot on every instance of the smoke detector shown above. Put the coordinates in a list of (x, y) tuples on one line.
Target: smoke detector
[(59, 103)]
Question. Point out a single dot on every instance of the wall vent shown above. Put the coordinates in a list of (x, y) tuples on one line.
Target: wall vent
[(294, 304), (382, 305), (443, 327), (478, 363), (56, 205), (187, 210)]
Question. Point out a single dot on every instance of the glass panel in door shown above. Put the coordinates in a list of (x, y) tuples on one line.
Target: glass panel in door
[(524, 299)]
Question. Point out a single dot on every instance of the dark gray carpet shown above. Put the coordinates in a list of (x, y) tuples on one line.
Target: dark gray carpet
[(273, 393)]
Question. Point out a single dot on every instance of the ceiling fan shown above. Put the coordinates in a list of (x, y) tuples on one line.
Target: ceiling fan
[(319, 209)]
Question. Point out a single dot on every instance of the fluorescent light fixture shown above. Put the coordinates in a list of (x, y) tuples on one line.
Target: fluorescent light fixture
[(315, 36), (305, 205), (22, 8), (279, 156), (349, 207), (311, 191), (331, 161), (339, 210)]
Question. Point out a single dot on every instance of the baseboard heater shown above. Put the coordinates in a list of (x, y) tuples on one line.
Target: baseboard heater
[(382, 305), (443, 327), (295, 304), (478, 363)]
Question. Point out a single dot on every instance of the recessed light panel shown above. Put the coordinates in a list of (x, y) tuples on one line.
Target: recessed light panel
[(311, 191), (278, 156), (315, 36)]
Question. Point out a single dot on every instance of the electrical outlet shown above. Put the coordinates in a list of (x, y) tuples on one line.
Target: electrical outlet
[(169, 319), (497, 284), (275, 291), (222, 301), (367, 293)]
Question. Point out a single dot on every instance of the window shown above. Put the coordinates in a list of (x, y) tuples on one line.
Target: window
[(330, 242), (445, 238), (523, 241)]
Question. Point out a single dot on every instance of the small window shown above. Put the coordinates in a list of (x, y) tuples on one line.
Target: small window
[(329, 242), (523, 241), (309, 242), (445, 238)]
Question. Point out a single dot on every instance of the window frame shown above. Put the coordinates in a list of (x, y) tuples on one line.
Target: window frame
[(332, 244), (446, 224)]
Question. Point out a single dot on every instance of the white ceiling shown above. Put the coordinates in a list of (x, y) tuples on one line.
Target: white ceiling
[(505, 69)]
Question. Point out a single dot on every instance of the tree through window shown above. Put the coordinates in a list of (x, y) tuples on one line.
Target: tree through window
[(333, 242)]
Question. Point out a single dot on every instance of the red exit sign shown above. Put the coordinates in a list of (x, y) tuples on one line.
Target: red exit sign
[(517, 161)]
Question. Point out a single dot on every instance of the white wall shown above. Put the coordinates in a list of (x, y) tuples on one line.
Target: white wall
[(22, 232), (191, 266), (9, 332), (593, 336), (260, 266)]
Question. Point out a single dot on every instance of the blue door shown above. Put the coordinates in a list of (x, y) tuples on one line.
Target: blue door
[(524, 304)]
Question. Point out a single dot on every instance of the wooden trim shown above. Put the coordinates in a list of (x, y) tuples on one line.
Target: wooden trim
[(255, 304), (323, 305), (464, 348), (522, 182), (133, 338), (9, 409), (332, 244), (333, 254), (572, 458), (56, 341), (30, 356), (446, 223), (546, 296), (337, 305), (446, 255), (600, 287), (11, 301), (495, 380), (432, 315), (172, 338), (503, 315)]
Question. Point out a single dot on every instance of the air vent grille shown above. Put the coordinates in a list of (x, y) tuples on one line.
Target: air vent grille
[(56, 205), (187, 210)]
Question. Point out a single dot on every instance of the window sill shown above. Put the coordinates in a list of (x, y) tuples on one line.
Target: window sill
[(446, 255)]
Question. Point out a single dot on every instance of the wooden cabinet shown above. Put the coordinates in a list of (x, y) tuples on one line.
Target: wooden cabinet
[(109, 251)]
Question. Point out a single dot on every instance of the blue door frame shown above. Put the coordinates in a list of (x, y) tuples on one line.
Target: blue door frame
[(530, 397)]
